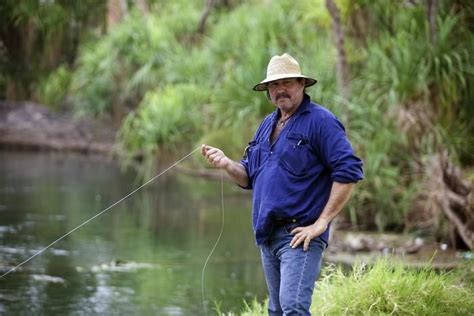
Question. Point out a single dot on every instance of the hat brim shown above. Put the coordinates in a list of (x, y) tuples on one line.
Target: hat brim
[(263, 86)]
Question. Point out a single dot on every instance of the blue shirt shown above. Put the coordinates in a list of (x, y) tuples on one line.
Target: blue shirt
[(292, 178)]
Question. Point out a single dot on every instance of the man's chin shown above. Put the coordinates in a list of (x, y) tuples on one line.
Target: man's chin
[(283, 103), (283, 100)]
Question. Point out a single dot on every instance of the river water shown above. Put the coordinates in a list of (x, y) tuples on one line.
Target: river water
[(143, 257)]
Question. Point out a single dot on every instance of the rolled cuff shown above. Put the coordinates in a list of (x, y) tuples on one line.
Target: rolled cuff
[(249, 186), (351, 175)]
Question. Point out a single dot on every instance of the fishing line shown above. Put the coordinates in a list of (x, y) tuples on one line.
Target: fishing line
[(215, 244), (98, 214)]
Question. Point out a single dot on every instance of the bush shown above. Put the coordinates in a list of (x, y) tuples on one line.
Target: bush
[(114, 73), (166, 118), (52, 92)]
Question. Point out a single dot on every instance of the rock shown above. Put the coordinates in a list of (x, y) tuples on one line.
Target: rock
[(359, 243), (119, 265), (413, 246), (47, 278)]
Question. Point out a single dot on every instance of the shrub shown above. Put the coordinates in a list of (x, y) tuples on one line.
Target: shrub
[(53, 90)]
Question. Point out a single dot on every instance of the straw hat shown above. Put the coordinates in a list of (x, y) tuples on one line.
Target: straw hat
[(280, 67)]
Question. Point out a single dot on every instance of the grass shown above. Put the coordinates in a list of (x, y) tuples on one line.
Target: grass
[(388, 288)]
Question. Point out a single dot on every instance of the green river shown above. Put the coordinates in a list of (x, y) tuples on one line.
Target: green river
[(144, 256)]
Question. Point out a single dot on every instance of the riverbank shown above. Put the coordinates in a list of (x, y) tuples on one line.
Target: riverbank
[(32, 126), (348, 247)]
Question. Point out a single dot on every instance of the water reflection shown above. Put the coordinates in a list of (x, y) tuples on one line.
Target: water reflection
[(144, 256)]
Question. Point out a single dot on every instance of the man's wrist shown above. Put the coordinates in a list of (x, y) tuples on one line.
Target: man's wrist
[(228, 165), (322, 221)]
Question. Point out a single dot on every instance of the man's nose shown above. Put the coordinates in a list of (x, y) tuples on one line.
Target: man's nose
[(280, 87)]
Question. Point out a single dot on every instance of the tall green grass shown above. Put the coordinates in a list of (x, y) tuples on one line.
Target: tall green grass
[(387, 288)]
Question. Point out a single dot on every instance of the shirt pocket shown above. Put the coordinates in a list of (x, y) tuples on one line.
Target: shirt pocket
[(296, 154), (253, 152)]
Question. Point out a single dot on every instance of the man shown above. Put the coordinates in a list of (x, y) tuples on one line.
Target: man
[(302, 169)]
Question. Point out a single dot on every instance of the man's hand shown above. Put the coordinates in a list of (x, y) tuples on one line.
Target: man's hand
[(305, 234), (215, 156), (340, 194), (218, 159)]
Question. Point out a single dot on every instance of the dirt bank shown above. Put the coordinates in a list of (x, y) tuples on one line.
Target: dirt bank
[(27, 125), (347, 247)]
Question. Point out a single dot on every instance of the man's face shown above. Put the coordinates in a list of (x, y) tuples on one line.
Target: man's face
[(286, 94)]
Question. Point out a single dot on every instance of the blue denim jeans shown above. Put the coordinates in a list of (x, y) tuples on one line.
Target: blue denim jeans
[(290, 273)]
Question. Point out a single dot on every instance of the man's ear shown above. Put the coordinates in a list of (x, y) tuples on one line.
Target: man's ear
[(268, 96)]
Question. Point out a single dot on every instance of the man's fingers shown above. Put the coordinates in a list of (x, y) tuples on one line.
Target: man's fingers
[(210, 152), (296, 241), (214, 157), (306, 243), (296, 230), (301, 236), (293, 241)]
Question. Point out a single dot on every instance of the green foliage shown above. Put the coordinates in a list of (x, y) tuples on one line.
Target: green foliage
[(382, 199), (166, 117), (109, 72), (36, 37), (114, 73), (255, 308), (404, 72), (53, 91), (387, 288)]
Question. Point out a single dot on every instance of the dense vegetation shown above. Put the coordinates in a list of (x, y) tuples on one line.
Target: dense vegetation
[(39, 42), (407, 98)]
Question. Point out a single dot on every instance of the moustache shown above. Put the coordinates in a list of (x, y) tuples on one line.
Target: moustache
[(282, 95)]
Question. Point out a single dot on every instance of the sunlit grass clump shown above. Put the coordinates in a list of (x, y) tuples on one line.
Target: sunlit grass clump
[(387, 288)]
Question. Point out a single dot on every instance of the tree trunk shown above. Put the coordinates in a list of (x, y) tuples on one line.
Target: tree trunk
[(432, 12), (143, 6), (116, 10), (342, 67), (202, 21), (446, 193)]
